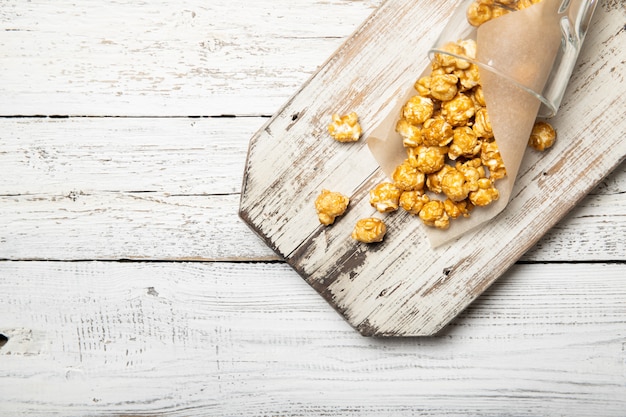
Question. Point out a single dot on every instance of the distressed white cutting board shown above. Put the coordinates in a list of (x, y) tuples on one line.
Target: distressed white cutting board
[(404, 287)]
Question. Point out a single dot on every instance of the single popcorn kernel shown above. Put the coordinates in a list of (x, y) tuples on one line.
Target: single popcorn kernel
[(469, 46), (408, 178), (482, 124), (418, 109), (428, 159), (468, 78), (437, 132), (457, 209), (453, 185), (369, 230), (330, 205), (433, 181), (413, 201), (491, 158), (473, 170), (345, 128), (423, 86), (478, 13), (450, 63), (478, 97), (385, 197), (411, 134), (434, 214), (459, 110), (542, 136), (443, 87), (486, 193), (464, 143)]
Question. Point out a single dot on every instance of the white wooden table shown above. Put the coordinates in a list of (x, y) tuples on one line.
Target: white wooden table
[(129, 285)]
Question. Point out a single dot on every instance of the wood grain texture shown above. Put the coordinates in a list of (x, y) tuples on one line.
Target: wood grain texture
[(190, 58), (403, 286), (168, 188), (222, 339)]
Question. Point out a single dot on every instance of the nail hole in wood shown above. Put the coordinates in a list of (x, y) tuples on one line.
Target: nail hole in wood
[(294, 117), (447, 271), (3, 340)]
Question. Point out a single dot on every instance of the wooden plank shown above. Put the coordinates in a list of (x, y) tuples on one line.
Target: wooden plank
[(222, 339), (191, 57), (111, 188), (404, 287)]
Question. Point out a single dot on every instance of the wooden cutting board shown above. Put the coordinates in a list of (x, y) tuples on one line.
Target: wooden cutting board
[(403, 286)]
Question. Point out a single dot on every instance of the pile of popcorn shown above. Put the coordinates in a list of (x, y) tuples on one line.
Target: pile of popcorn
[(452, 159)]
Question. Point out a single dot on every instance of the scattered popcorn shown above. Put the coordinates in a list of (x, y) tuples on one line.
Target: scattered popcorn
[(385, 197), (542, 136), (345, 128), (413, 201), (418, 109), (369, 230), (330, 205), (434, 214)]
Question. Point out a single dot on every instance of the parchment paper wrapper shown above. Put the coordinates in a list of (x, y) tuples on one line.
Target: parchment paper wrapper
[(515, 54)]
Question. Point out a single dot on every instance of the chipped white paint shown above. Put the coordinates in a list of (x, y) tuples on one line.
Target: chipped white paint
[(95, 336)]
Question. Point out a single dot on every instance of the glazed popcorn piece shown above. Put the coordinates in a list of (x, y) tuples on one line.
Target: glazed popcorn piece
[(457, 209), (411, 134), (330, 205), (485, 194), (433, 181), (345, 128), (434, 214), (443, 87), (413, 201), (428, 159), (482, 124), (385, 197), (408, 178), (464, 143), (542, 136), (436, 132), (369, 230), (459, 110), (491, 158), (417, 110)]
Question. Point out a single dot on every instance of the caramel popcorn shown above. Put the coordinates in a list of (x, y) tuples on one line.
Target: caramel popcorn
[(481, 11), (369, 230), (450, 63), (422, 86), (433, 181), (443, 86), (468, 78), (478, 97), (436, 132), (413, 201), (411, 134), (523, 4), (454, 186), (542, 136), (456, 209), (428, 159), (482, 124), (385, 197), (408, 178), (459, 110), (485, 194), (491, 158), (464, 143), (418, 109), (330, 205), (345, 128), (434, 214)]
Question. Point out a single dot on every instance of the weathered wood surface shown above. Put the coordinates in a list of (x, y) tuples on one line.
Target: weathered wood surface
[(403, 286), (125, 328), (224, 339)]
